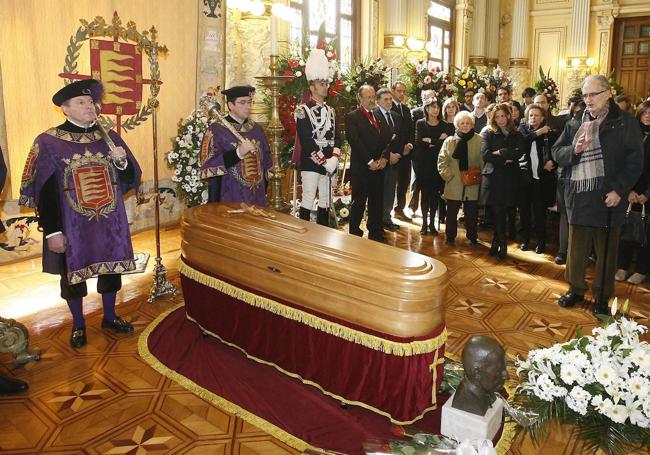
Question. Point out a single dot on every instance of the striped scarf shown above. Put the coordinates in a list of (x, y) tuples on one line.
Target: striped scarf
[(589, 173)]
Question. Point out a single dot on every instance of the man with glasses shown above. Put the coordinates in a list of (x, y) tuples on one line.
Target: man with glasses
[(235, 156), (602, 155)]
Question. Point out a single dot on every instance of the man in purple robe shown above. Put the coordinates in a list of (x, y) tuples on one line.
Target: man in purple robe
[(235, 157), (76, 184)]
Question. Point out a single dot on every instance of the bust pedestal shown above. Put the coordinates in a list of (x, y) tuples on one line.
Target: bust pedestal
[(464, 425)]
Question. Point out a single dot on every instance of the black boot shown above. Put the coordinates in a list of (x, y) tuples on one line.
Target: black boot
[(323, 216), (494, 248), (503, 250), (305, 214)]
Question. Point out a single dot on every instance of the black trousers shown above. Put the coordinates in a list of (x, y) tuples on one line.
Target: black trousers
[(403, 182), (470, 208), (532, 211), (431, 191), (499, 220), (367, 186), (105, 284)]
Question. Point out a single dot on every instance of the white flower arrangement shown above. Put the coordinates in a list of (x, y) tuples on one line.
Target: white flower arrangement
[(185, 156), (598, 382)]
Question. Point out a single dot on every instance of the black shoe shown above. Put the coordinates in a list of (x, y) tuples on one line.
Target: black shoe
[(560, 259), (494, 248), (78, 337), (323, 216), (433, 230), (391, 226), (600, 309), (540, 247), (304, 214), (9, 385), (424, 231), (570, 299), (380, 239), (450, 242), (503, 251), (400, 215), (524, 246), (473, 243), (117, 325)]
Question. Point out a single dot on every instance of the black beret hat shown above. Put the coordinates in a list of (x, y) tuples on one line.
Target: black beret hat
[(89, 87), (238, 91)]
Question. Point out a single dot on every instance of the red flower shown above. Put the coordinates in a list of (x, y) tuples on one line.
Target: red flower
[(293, 64), (397, 431), (287, 73)]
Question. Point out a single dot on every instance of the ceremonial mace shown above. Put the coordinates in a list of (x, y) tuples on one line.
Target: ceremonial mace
[(274, 128), (161, 286)]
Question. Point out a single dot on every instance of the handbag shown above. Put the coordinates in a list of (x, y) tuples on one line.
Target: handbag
[(472, 176), (635, 227)]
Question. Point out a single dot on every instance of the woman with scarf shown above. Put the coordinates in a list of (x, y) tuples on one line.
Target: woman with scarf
[(430, 133), (638, 196), (459, 159), (502, 147), (536, 191)]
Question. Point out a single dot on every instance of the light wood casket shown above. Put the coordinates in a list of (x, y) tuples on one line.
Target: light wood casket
[(362, 321)]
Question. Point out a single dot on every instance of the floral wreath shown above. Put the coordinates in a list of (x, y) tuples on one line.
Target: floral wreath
[(468, 78), (417, 77), (184, 158), (547, 86), (497, 79)]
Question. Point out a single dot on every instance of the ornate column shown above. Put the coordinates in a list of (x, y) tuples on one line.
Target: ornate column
[(492, 33), (578, 46), (211, 47), (464, 19), (255, 40), (395, 33), (417, 27), (519, 69), (605, 36), (477, 53)]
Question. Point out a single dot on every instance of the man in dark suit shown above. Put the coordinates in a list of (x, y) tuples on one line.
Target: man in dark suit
[(391, 121), (405, 139), (368, 142)]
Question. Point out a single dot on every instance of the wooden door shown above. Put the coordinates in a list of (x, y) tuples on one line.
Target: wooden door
[(632, 59)]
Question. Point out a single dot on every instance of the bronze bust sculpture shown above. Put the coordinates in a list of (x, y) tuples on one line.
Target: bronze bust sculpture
[(485, 373)]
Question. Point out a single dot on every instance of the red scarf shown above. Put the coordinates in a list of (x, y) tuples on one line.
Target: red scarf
[(369, 117)]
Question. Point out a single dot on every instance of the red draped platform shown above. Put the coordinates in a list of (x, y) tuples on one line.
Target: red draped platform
[(295, 413)]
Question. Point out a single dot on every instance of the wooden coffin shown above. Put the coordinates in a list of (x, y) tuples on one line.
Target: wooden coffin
[(361, 321), (376, 286)]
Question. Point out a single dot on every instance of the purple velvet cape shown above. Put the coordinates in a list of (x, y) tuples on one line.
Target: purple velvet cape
[(90, 199), (245, 181)]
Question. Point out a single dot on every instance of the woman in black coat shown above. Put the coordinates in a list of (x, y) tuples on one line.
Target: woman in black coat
[(430, 133), (639, 195), (537, 189), (501, 150)]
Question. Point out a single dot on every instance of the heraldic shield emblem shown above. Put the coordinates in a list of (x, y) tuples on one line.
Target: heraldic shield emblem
[(89, 178)]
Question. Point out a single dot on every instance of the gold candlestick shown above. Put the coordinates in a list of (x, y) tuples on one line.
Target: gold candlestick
[(274, 130)]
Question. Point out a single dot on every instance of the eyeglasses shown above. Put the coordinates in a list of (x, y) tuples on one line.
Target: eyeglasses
[(586, 96)]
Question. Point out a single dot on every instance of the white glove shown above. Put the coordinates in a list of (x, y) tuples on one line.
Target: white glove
[(331, 164)]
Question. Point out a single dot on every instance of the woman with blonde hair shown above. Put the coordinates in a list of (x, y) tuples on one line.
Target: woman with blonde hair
[(449, 110), (501, 149), (459, 165)]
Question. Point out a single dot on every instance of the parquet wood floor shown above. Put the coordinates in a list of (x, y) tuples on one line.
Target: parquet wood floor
[(105, 399)]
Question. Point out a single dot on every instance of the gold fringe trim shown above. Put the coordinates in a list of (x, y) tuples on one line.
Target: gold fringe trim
[(216, 400), (318, 386), (369, 341)]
